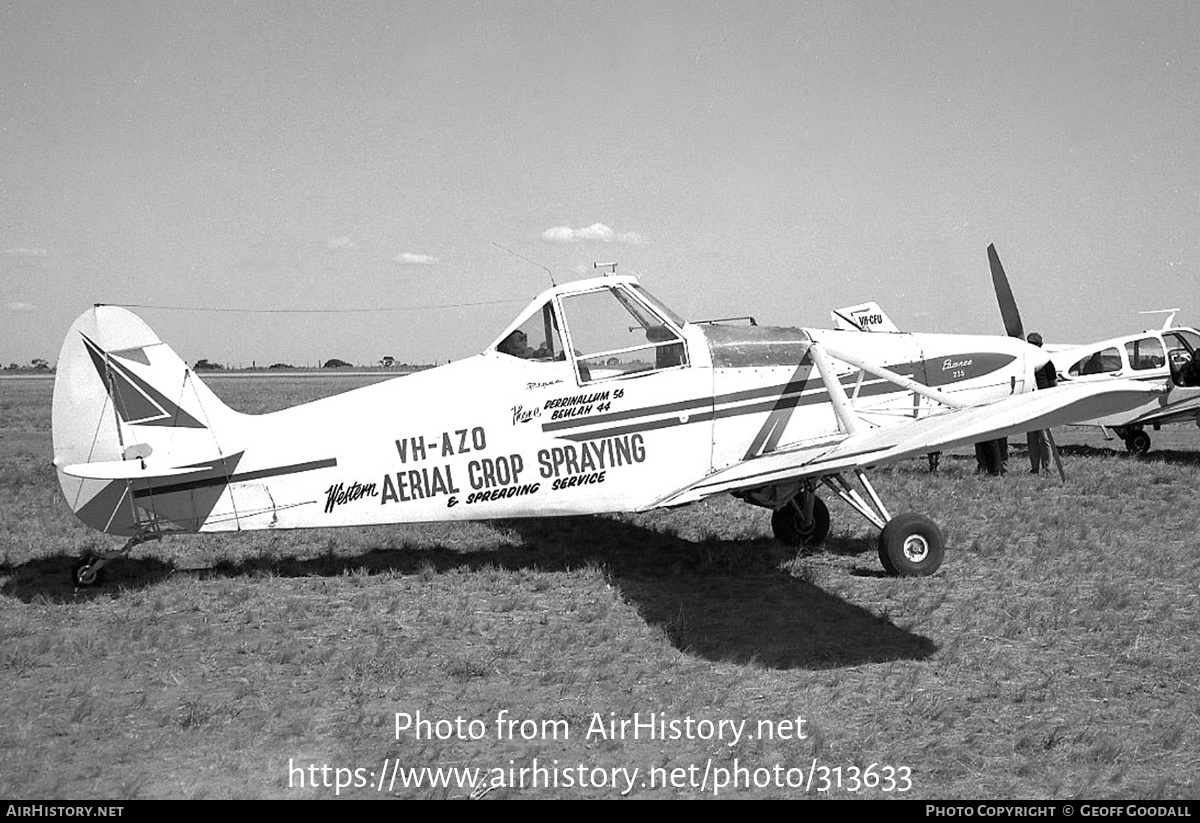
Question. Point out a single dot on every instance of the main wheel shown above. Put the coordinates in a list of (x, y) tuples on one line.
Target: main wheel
[(911, 545), (790, 529), (1138, 443), (86, 574)]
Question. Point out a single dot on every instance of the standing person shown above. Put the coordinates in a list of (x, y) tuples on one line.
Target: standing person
[(991, 457), (1039, 446)]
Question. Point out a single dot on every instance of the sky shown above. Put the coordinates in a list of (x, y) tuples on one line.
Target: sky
[(385, 166)]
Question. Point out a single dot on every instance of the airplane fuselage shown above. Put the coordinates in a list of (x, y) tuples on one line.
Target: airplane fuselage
[(1158, 356), (496, 437)]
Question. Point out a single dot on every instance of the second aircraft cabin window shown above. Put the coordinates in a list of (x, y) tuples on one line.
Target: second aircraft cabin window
[(1146, 353), (614, 335), (1101, 362), (1184, 357)]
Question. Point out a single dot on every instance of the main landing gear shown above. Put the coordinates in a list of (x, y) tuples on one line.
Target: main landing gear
[(90, 570), (801, 521), (909, 545), (1137, 440)]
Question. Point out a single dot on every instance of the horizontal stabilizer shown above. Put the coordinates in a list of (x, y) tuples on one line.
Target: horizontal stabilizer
[(127, 470)]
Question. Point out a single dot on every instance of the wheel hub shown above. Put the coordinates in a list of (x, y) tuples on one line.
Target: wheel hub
[(916, 548)]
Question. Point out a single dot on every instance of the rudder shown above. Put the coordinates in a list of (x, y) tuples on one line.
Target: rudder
[(121, 394)]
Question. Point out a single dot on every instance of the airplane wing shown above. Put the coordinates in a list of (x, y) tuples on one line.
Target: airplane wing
[(958, 427)]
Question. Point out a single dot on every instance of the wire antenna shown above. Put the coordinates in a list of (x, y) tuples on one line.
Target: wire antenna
[(549, 273)]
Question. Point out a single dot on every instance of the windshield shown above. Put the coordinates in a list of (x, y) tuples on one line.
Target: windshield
[(613, 335), (658, 305)]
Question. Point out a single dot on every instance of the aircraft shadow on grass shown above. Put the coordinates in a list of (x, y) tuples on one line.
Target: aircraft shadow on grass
[(721, 600)]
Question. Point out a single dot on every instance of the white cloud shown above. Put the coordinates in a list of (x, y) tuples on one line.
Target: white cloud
[(25, 251), (19, 306), (409, 259), (339, 243), (597, 231), (558, 234)]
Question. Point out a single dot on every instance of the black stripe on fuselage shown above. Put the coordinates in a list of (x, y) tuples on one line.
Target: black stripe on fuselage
[(777, 398), (782, 397), (871, 386), (222, 479)]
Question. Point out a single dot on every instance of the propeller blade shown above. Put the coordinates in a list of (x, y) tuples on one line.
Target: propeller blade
[(1054, 451), (1004, 295), (1014, 328)]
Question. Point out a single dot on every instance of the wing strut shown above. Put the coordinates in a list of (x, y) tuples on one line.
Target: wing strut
[(889, 375), (837, 395)]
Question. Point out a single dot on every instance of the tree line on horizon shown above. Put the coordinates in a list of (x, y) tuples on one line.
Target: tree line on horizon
[(387, 362), (39, 365), (36, 365)]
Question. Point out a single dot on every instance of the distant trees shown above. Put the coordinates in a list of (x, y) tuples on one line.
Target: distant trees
[(204, 365), (389, 362), (279, 366), (37, 364), (334, 363)]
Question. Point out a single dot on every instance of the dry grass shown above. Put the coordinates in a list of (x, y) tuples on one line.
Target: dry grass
[(1053, 656)]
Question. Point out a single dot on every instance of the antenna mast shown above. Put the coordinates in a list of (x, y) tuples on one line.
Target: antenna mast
[(549, 273)]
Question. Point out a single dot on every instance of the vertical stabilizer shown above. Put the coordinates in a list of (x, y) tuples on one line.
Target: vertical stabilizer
[(121, 394)]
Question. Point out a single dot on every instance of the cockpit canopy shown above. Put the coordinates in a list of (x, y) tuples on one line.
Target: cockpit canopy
[(608, 328), (1173, 348)]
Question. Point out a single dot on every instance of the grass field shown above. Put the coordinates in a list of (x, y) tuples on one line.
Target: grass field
[(1054, 655)]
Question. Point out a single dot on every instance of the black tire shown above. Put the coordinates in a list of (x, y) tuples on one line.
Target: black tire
[(911, 545), (1138, 443), (790, 531), (83, 577)]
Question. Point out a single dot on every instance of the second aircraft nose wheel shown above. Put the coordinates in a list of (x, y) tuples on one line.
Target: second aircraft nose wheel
[(1138, 443)]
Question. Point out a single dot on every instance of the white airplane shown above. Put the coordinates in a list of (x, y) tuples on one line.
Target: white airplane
[(1161, 355), (596, 398), (1169, 356)]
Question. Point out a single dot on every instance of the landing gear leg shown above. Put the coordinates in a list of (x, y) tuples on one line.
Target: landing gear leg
[(910, 545), (90, 571)]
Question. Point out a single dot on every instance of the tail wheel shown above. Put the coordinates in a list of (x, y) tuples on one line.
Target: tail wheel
[(911, 545), (87, 574), (788, 523)]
